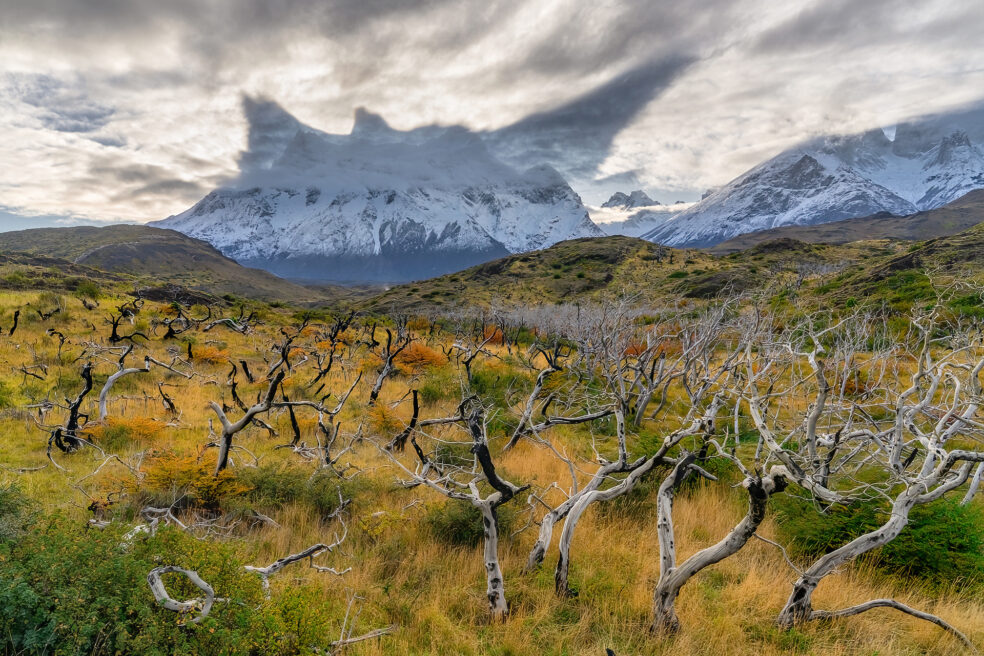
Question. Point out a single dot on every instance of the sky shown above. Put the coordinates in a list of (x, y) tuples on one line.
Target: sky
[(134, 109)]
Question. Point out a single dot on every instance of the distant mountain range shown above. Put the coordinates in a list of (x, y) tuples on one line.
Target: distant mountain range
[(381, 204), (928, 164)]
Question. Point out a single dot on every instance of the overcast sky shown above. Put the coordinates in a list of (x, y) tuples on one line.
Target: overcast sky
[(134, 109)]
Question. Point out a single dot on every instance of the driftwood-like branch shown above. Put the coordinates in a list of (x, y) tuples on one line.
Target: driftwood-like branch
[(202, 606), (908, 610)]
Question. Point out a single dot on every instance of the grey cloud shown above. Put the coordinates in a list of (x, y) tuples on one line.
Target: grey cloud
[(640, 92), (172, 187), (576, 136), (851, 24), (143, 183), (270, 127), (109, 141), (63, 107), (573, 137)]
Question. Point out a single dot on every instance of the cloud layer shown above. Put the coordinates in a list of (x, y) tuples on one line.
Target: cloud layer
[(132, 109)]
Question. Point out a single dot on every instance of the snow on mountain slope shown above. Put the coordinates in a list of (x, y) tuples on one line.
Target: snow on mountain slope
[(833, 178), (380, 204)]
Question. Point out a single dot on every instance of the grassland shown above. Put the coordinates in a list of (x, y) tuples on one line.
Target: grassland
[(430, 587)]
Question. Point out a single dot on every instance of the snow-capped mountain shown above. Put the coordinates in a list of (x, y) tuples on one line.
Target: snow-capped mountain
[(925, 166), (633, 200), (380, 204)]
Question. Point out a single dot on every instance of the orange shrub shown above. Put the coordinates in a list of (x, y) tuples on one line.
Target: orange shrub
[(120, 431), (494, 333), (210, 354), (418, 357), (370, 364), (383, 421), (169, 474), (419, 323)]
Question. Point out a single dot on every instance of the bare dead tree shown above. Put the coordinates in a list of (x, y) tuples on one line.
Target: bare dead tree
[(900, 438), (554, 360), (114, 336), (66, 437), (122, 370), (673, 576), (203, 606), (334, 338), (51, 332), (13, 327), (241, 324), (391, 349), (229, 428), (172, 410), (462, 483)]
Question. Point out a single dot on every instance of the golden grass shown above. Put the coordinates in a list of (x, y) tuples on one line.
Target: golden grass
[(435, 592)]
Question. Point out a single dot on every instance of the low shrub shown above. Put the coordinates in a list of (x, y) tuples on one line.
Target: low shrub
[(439, 386), (168, 476), (943, 542), (459, 523), (417, 358), (117, 433), (63, 591), (17, 512), (274, 486), (210, 354)]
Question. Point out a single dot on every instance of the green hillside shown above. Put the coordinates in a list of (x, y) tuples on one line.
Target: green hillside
[(163, 256)]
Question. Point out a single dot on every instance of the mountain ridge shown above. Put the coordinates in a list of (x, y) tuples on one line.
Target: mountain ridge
[(956, 216), (381, 204), (929, 163)]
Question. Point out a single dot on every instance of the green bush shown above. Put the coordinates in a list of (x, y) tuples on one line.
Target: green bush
[(439, 386), (17, 512), (6, 395), (943, 542), (85, 288), (459, 523), (274, 486), (64, 590)]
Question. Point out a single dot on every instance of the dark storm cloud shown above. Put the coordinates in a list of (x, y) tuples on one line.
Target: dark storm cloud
[(577, 135), (109, 142), (269, 130), (142, 182), (574, 137)]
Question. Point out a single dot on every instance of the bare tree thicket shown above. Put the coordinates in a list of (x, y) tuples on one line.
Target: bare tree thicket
[(837, 409)]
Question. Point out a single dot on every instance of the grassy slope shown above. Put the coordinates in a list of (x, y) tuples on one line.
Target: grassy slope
[(161, 255), (435, 591), (950, 219), (593, 268)]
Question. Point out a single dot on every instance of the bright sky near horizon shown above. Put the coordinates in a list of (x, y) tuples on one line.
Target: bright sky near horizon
[(133, 109)]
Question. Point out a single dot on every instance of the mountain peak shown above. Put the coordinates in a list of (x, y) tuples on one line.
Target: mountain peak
[(637, 198)]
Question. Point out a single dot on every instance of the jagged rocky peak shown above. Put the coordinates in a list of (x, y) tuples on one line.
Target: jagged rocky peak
[(637, 198)]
